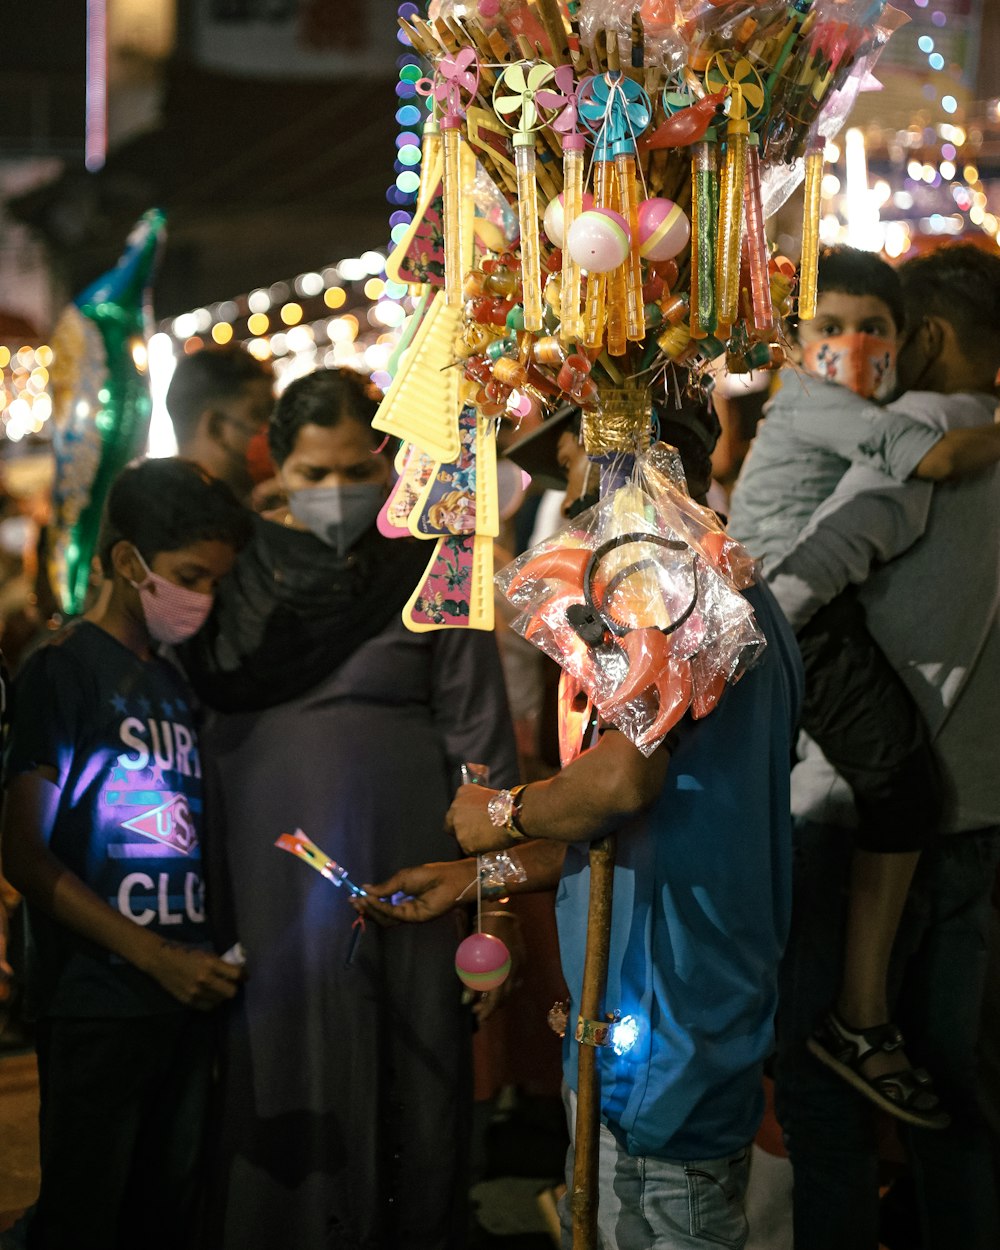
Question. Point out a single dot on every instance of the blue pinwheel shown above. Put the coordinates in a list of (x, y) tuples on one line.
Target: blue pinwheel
[(616, 111)]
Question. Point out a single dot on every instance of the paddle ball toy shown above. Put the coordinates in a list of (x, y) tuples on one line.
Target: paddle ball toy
[(664, 229), (599, 240), (482, 962), (554, 220)]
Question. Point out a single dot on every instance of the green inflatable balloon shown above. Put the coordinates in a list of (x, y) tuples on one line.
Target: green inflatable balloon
[(100, 404)]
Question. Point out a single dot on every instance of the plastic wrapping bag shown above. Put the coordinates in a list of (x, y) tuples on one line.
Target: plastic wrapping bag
[(638, 600)]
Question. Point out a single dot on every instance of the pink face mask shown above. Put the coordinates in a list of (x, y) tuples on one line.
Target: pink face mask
[(864, 363), (173, 613)]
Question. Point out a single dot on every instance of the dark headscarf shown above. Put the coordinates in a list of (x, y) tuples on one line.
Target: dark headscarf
[(291, 611)]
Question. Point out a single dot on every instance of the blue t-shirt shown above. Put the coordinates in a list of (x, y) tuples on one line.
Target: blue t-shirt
[(702, 897), (120, 733)]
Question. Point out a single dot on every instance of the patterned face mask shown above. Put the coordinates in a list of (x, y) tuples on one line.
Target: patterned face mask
[(172, 613), (864, 363)]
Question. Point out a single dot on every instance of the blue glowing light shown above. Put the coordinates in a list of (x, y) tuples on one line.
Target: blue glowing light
[(925, 43), (936, 60), (624, 1034)]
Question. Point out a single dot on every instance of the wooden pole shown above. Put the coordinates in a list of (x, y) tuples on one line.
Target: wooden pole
[(588, 1103)]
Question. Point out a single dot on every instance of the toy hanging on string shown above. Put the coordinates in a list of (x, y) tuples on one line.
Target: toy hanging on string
[(482, 960), (616, 110)]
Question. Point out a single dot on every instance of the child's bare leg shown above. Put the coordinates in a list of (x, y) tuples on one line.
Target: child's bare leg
[(879, 887)]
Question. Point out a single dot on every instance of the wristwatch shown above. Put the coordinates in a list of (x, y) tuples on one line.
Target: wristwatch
[(504, 810)]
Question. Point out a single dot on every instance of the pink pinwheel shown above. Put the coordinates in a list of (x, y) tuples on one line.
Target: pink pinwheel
[(563, 99), (455, 75)]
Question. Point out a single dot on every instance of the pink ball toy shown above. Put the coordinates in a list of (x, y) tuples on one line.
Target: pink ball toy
[(555, 221), (599, 240), (482, 962), (664, 229)]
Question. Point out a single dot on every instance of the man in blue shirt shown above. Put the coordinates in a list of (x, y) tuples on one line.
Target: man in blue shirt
[(701, 907)]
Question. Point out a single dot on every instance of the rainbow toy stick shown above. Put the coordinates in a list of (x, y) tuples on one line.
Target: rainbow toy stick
[(514, 96), (298, 844)]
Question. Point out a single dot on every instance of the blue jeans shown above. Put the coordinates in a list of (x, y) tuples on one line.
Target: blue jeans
[(656, 1204), (939, 963)]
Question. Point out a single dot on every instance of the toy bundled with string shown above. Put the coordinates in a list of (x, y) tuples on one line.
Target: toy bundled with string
[(634, 599), (482, 960)]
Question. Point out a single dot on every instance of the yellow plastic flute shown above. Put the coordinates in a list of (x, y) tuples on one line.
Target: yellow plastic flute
[(454, 249), (730, 237), (604, 197), (527, 209), (628, 200), (430, 150), (809, 260), (571, 318)]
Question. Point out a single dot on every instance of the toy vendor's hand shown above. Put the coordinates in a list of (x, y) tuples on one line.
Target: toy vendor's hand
[(424, 892), (469, 822)]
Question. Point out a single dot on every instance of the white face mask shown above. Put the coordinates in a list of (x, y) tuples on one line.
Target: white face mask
[(339, 515), (172, 613)]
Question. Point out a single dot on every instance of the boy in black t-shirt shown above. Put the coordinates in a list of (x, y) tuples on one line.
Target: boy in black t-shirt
[(101, 836)]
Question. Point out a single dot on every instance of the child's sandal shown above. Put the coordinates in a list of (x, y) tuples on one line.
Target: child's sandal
[(907, 1094)]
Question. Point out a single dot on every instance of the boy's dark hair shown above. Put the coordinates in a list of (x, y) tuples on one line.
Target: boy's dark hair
[(165, 505), (204, 378), (960, 283), (848, 271), (325, 398)]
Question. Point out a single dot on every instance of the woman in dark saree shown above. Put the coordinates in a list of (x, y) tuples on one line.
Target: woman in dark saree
[(345, 1087)]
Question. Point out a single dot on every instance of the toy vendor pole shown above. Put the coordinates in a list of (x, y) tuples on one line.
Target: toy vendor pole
[(591, 1032)]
